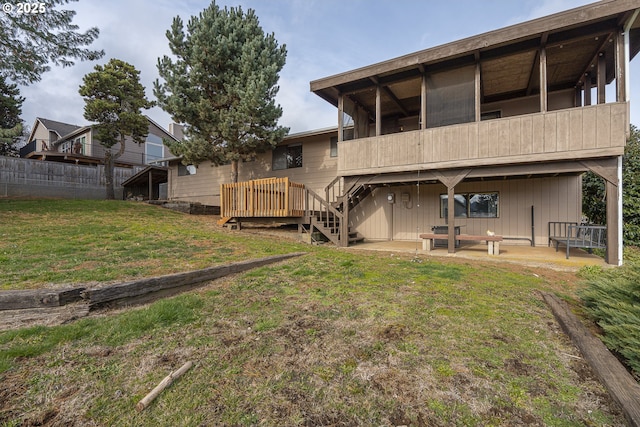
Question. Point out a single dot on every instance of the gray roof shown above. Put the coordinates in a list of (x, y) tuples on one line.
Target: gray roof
[(60, 128)]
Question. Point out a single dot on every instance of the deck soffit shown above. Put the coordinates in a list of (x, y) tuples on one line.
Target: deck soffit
[(508, 57)]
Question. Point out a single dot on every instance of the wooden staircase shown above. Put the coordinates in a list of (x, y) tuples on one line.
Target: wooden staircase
[(330, 215), (331, 227), (281, 199)]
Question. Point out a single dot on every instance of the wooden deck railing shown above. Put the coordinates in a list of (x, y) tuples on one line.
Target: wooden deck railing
[(269, 197)]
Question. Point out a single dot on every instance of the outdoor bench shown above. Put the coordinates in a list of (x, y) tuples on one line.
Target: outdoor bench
[(493, 242), (574, 235)]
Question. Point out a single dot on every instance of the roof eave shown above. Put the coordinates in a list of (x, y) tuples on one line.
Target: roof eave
[(530, 29)]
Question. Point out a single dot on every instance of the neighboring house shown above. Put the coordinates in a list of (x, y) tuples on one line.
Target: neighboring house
[(492, 132), (56, 141), (50, 140)]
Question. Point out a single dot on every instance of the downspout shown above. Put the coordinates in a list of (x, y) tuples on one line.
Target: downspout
[(627, 29), (620, 223)]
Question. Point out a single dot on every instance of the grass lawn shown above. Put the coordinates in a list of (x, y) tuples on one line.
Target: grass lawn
[(335, 337)]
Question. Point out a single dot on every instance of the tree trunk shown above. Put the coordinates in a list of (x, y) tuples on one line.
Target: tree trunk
[(234, 171), (108, 174)]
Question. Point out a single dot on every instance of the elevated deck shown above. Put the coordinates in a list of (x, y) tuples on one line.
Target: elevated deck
[(262, 198)]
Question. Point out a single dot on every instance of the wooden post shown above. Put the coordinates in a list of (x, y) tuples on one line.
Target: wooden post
[(621, 69), (478, 93), (543, 79), (344, 225), (286, 196), (610, 170), (423, 101), (378, 111), (602, 78), (340, 117), (150, 184), (578, 96), (451, 219), (587, 89)]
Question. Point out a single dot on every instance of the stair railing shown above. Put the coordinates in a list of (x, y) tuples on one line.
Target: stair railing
[(326, 218)]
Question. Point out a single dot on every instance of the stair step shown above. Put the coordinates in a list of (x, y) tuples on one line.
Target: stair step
[(355, 237)]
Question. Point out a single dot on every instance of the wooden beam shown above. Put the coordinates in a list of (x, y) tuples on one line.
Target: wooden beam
[(340, 117), (574, 18), (150, 184), (613, 223), (606, 169), (423, 100), (587, 89), (391, 96), (451, 219), (602, 78), (543, 79), (451, 178), (378, 111), (478, 89), (535, 65), (621, 67), (578, 96)]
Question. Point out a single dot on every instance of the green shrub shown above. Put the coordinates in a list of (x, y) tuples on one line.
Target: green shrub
[(613, 300)]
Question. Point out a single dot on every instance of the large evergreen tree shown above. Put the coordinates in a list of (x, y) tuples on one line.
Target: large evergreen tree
[(593, 199), (30, 42), (222, 86), (10, 122), (113, 98)]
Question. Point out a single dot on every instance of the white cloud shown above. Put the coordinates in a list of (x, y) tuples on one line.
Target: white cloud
[(323, 38)]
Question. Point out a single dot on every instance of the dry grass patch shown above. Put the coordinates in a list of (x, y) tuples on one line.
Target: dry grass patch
[(331, 338)]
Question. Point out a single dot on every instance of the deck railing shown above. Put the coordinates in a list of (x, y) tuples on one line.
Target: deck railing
[(269, 197)]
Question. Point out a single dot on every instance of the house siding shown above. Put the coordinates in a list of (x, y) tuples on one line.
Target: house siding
[(317, 171), (553, 199)]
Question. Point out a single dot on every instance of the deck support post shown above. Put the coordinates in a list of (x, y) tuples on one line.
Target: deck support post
[(610, 170), (450, 179)]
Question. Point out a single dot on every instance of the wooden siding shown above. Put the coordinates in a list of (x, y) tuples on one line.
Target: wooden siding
[(554, 199), (318, 169), (585, 132)]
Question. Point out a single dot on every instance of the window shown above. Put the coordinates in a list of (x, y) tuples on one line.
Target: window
[(184, 170), (333, 146), (287, 157), (78, 145), (471, 205), (153, 148), (75, 146)]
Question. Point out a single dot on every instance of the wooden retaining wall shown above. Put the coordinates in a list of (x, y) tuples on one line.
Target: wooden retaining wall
[(622, 387)]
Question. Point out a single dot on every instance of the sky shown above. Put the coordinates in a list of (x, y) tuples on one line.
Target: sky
[(322, 37)]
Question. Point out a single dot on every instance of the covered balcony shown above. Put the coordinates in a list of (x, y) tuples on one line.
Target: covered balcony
[(545, 90)]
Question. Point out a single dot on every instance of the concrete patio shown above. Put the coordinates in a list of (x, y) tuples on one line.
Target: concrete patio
[(520, 254)]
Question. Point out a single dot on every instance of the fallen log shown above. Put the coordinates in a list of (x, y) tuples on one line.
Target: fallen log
[(166, 382)]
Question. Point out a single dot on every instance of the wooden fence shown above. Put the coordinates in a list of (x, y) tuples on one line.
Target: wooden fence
[(38, 178), (262, 198)]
